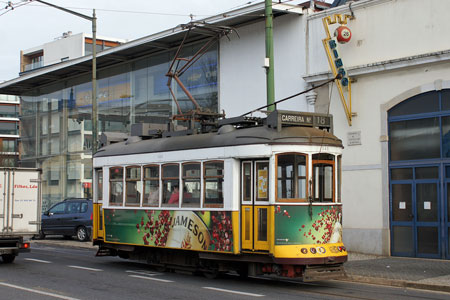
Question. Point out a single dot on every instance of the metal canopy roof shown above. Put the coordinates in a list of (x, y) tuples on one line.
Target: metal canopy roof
[(164, 40)]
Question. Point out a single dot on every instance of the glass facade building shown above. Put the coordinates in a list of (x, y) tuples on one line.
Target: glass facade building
[(56, 120)]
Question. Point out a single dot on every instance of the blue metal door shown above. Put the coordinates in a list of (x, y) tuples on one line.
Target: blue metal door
[(416, 206)]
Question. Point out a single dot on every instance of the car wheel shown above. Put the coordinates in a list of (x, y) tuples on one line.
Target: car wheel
[(8, 258), (82, 234)]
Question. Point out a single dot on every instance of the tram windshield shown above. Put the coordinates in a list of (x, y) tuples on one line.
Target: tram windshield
[(293, 173)]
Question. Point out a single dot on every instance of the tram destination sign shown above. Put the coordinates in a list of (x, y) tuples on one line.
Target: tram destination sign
[(279, 118)]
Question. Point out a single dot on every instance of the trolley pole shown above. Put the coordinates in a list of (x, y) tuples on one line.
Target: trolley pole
[(270, 77)]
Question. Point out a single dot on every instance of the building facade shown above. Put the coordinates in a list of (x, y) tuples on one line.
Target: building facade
[(395, 162)]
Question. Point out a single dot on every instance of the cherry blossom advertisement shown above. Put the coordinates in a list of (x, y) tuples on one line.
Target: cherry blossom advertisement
[(307, 224), (199, 230)]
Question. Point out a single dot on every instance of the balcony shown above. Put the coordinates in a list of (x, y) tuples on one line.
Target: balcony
[(33, 66)]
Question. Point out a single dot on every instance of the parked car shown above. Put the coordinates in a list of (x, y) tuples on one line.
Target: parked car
[(68, 218)]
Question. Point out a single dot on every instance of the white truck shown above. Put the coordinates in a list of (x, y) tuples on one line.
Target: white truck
[(20, 210)]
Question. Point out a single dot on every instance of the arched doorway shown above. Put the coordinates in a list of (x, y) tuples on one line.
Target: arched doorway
[(419, 175)]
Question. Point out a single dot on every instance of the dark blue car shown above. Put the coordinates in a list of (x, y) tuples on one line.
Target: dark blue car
[(68, 218)]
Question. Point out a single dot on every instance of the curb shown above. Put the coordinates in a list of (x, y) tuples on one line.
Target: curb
[(65, 244), (397, 283)]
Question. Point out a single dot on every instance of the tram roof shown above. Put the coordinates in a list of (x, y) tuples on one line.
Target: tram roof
[(297, 135)]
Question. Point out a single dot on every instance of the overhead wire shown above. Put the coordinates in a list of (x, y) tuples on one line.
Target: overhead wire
[(338, 76)]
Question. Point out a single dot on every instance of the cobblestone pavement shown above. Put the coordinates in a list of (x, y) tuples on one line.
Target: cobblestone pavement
[(431, 274)]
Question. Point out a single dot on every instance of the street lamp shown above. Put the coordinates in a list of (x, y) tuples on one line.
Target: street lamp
[(93, 19)]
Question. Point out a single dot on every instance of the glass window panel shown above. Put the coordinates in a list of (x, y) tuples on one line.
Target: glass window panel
[(171, 194), (445, 99), (403, 239), (151, 186), (426, 202), (116, 173), (171, 171), (247, 181), (214, 169), (446, 136), (402, 174), (427, 173), (323, 182), (191, 185), (134, 173), (133, 196), (291, 176), (99, 185), (427, 240), (423, 103), (58, 209), (151, 196), (414, 139), (214, 183), (151, 172), (116, 197), (262, 224), (402, 202)]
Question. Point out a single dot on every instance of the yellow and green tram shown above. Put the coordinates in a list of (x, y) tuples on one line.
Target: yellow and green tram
[(254, 195)]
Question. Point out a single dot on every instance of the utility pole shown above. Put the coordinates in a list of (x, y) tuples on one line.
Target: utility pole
[(270, 77), (93, 19)]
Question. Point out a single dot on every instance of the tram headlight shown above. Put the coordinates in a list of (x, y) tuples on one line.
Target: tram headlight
[(313, 250), (304, 250)]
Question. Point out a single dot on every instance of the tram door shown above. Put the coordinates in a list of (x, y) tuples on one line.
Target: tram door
[(255, 205), (98, 202)]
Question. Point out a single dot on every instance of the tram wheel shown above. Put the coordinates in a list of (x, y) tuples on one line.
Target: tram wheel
[(211, 274)]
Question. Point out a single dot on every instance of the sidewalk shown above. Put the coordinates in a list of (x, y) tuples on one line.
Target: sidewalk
[(429, 274)]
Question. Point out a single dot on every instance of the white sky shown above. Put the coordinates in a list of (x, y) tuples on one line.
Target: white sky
[(34, 24)]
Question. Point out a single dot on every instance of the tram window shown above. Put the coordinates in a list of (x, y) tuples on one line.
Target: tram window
[(191, 184), (291, 176), (133, 186), (171, 184), (116, 185), (213, 183), (247, 181), (151, 186), (99, 177), (323, 169), (262, 185)]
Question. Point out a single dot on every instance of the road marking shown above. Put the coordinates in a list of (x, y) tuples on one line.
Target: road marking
[(37, 291), (38, 260), (233, 292), (143, 272), (85, 268), (150, 278)]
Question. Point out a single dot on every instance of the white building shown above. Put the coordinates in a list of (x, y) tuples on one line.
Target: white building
[(395, 165), (66, 47)]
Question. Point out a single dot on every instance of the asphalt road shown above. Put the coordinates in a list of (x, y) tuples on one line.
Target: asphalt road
[(53, 272)]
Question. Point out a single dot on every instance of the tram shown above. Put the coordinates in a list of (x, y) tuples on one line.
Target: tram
[(251, 195)]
